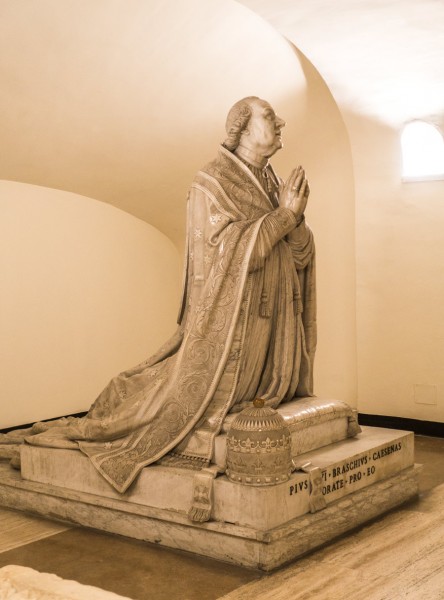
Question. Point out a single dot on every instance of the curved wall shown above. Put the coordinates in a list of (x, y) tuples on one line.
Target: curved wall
[(87, 291), (142, 94), (123, 101), (320, 142)]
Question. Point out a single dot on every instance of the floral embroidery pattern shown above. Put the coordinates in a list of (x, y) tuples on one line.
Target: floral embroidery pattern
[(215, 219), (180, 381)]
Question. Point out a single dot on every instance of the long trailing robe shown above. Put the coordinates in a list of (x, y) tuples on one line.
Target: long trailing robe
[(247, 328)]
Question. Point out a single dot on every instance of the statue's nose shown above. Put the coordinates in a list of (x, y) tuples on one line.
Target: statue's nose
[(280, 122)]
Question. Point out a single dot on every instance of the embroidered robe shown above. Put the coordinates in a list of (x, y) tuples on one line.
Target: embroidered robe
[(247, 328)]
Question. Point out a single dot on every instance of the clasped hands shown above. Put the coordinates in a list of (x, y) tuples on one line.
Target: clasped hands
[(295, 192)]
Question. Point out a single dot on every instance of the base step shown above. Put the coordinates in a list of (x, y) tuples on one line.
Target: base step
[(259, 527)]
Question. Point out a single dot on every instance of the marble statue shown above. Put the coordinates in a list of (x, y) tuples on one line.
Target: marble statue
[(247, 323)]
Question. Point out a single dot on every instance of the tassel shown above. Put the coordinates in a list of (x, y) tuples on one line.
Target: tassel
[(316, 500), (297, 299), (353, 426), (15, 461), (264, 309), (202, 502), (198, 515)]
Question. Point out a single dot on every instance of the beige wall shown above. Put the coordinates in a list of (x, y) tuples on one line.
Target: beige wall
[(123, 101), (87, 291), (400, 282), (323, 147)]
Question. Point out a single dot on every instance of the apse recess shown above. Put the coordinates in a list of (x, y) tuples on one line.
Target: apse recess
[(123, 102)]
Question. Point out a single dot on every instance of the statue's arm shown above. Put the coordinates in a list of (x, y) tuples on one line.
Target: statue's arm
[(294, 194), (301, 243), (288, 222), (209, 222), (274, 227)]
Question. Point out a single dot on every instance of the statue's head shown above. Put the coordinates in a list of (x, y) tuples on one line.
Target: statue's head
[(253, 124)]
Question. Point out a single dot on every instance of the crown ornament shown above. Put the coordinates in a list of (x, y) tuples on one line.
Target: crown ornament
[(259, 447)]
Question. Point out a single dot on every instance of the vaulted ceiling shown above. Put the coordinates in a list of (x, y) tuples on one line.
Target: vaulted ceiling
[(382, 58), (80, 82)]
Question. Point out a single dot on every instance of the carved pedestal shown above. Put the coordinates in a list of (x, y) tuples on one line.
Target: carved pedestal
[(259, 527)]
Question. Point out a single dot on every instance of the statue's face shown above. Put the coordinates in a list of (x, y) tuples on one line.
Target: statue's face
[(263, 132)]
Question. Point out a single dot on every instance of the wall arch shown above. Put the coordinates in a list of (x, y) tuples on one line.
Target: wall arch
[(148, 86), (87, 291)]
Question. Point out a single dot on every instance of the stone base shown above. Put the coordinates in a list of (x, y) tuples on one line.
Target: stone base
[(347, 466), (262, 528), (265, 550)]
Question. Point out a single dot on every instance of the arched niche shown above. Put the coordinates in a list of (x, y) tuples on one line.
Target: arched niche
[(123, 102), (87, 291)]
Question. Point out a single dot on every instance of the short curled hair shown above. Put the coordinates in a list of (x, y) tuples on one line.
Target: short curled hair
[(237, 121)]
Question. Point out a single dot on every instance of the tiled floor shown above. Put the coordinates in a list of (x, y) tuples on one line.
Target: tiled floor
[(398, 556), (429, 451), (145, 571), (128, 567), (18, 529)]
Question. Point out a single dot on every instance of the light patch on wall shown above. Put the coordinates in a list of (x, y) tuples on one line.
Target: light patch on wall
[(422, 152), (425, 394)]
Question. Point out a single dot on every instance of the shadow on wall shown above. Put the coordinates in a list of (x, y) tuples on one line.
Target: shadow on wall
[(125, 101), (322, 145), (87, 291)]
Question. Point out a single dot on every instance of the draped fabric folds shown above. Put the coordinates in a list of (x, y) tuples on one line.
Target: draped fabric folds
[(247, 327)]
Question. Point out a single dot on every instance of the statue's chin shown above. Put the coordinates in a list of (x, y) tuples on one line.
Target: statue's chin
[(273, 150)]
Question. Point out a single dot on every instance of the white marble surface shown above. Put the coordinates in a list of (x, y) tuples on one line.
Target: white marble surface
[(398, 557), (347, 466), (257, 527), (23, 583), (261, 549)]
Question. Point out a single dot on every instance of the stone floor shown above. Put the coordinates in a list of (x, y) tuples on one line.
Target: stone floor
[(400, 555)]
